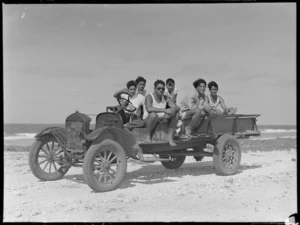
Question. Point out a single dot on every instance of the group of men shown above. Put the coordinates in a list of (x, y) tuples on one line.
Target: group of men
[(161, 105)]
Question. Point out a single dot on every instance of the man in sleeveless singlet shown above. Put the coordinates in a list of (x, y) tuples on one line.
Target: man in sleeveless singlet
[(155, 109), (217, 103), (171, 91)]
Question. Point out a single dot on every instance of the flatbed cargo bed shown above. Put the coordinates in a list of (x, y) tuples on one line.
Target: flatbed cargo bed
[(239, 125)]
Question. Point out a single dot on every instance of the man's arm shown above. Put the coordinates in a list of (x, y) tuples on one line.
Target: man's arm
[(206, 106), (184, 104), (174, 98), (118, 93), (222, 103), (206, 100), (139, 103), (173, 105), (193, 101), (149, 107)]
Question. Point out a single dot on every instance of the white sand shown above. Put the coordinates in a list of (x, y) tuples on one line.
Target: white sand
[(263, 190)]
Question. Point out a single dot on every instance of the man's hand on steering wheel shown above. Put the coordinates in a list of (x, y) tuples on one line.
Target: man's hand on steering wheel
[(124, 102)]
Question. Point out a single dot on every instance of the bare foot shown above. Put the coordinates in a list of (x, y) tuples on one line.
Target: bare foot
[(188, 131), (172, 143), (147, 140)]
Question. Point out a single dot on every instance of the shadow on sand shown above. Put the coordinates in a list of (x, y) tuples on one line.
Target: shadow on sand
[(154, 174)]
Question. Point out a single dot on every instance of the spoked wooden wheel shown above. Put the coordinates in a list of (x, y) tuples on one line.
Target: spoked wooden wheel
[(104, 166), (230, 156), (47, 160), (227, 155)]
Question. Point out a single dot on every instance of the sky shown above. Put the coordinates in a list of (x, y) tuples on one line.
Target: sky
[(59, 58)]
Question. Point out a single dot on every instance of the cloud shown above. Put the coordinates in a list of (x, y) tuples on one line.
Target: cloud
[(233, 92), (82, 23), (243, 75), (99, 25), (200, 68), (23, 15), (118, 84), (67, 73), (283, 82), (27, 70), (50, 71)]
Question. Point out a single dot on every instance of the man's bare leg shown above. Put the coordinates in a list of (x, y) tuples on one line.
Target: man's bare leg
[(196, 114), (172, 127), (231, 110), (151, 122)]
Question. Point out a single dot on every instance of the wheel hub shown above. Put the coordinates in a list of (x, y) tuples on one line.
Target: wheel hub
[(50, 157), (229, 154), (105, 165)]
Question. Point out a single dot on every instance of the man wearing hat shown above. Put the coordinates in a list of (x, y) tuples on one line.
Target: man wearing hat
[(195, 106)]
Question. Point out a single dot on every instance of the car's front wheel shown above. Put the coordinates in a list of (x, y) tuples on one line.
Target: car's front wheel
[(104, 166), (47, 159)]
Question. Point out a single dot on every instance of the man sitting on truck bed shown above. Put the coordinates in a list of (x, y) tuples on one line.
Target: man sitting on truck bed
[(155, 110), (195, 106), (216, 101)]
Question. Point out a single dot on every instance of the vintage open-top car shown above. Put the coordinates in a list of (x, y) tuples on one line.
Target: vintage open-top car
[(103, 152)]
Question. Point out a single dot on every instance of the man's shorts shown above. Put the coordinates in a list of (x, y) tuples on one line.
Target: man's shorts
[(162, 118)]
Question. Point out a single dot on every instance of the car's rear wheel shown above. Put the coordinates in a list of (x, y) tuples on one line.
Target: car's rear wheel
[(198, 158), (104, 166), (47, 159), (174, 163), (227, 155)]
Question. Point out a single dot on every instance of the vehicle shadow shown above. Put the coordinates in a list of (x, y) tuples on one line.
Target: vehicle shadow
[(247, 167), (78, 178), (155, 174)]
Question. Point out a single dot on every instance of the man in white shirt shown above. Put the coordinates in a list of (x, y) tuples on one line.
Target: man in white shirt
[(136, 99), (141, 84), (195, 106), (217, 103), (171, 91)]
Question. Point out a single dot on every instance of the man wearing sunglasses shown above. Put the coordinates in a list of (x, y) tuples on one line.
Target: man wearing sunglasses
[(156, 109)]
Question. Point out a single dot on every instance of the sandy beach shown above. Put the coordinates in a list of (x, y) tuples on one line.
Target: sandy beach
[(264, 190)]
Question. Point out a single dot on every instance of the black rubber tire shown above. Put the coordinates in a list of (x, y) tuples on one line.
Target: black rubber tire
[(38, 152), (198, 158), (227, 155), (178, 161), (115, 151)]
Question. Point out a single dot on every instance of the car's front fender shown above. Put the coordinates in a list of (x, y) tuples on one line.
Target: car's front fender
[(58, 132), (96, 133), (123, 137)]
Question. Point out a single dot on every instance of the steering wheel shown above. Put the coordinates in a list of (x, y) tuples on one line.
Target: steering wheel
[(125, 103)]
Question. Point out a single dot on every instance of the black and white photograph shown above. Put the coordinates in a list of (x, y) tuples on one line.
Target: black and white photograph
[(150, 112)]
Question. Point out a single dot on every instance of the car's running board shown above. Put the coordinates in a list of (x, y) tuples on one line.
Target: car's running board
[(153, 159)]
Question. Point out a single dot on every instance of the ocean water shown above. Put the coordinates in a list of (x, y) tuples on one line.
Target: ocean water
[(23, 134)]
